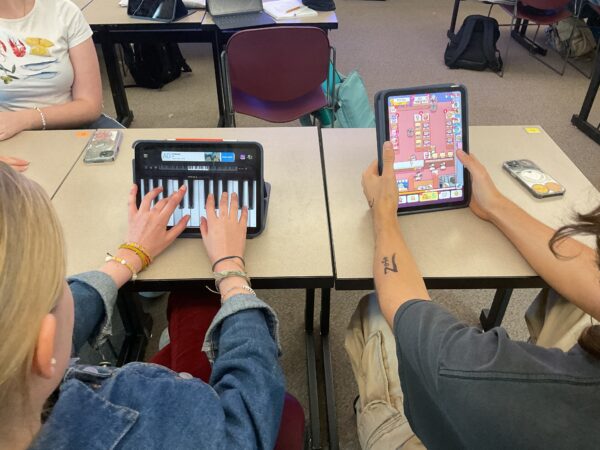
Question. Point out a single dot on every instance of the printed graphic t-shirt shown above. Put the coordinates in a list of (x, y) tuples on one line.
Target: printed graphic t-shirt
[(35, 68)]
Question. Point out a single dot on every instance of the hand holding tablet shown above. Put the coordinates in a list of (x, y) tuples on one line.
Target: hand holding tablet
[(426, 126)]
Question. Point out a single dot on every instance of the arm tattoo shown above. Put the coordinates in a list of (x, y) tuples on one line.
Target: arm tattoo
[(387, 266), (371, 203)]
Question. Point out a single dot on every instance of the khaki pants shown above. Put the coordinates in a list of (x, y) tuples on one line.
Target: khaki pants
[(371, 347)]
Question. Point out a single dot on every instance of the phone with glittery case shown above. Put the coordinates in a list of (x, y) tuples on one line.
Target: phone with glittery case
[(534, 179), (103, 146)]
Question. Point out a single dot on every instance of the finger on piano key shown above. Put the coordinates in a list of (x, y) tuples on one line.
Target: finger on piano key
[(142, 189), (170, 191), (252, 209), (160, 196), (202, 198), (186, 200), (230, 191), (196, 193), (179, 184), (150, 187)]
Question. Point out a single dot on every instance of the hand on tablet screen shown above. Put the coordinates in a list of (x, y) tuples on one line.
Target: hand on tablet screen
[(381, 192), (485, 196)]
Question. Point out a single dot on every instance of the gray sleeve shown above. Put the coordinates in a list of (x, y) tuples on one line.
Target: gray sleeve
[(94, 297)]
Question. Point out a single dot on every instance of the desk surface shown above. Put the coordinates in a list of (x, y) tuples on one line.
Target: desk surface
[(448, 245), (293, 250), (108, 12), (325, 19), (51, 154)]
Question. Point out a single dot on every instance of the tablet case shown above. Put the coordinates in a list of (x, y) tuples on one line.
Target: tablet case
[(193, 233), (177, 12), (381, 131)]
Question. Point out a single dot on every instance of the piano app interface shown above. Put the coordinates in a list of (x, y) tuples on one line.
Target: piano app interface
[(203, 173), (425, 131)]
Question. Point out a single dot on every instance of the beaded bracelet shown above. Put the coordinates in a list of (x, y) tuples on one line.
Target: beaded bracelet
[(122, 261), (220, 276), (242, 286), (140, 251), (42, 116)]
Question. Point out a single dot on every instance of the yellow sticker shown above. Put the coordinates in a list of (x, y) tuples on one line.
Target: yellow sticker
[(532, 130)]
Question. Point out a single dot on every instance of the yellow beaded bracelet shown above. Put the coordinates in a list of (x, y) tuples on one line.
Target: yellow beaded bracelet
[(140, 251)]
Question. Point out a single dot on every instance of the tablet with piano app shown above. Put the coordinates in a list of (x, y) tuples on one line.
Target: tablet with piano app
[(204, 168), (426, 126)]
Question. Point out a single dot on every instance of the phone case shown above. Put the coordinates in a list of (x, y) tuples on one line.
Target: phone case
[(537, 182), (103, 146)]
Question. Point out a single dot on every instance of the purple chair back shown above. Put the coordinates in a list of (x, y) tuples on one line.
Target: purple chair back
[(279, 63), (547, 4)]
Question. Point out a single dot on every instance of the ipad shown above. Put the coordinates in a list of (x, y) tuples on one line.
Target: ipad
[(159, 10), (204, 168), (426, 126)]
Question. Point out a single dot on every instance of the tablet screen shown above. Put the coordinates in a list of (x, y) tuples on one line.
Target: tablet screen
[(426, 130), (152, 9)]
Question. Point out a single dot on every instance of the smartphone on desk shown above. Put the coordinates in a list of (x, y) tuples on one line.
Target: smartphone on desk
[(103, 146), (535, 180)]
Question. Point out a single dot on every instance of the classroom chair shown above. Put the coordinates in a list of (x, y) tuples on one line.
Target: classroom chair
[(549, 12), (275, 74)]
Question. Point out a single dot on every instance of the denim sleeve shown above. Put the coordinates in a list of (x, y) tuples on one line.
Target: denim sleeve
[(94, 297), (246, 373)]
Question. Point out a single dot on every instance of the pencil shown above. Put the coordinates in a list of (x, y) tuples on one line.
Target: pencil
[(293, 9)]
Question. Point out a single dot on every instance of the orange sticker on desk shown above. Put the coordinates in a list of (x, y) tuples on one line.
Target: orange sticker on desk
[(82, 133), (532, 130)]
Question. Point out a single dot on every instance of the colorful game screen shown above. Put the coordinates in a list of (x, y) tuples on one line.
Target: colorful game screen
[(426, 130)]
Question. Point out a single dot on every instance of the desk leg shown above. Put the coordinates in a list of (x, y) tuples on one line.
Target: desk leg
[(124, 114), (328, 372), (492, 317), (216, 50), (311, 364), (581, 120), (138, 326), (452, 28)]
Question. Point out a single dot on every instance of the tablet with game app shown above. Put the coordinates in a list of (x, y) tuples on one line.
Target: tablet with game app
[(426, 125)]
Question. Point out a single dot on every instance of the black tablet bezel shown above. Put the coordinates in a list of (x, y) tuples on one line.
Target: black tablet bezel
[(383, 134), (203, 146), (179, 12)]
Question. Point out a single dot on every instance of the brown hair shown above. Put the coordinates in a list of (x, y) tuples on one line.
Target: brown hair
[(588, 223)]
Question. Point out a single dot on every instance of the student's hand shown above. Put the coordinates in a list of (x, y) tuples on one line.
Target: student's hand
[(224, 235), (12, 123), (148, 226), (381, 192), (20, 165), (485, 198)]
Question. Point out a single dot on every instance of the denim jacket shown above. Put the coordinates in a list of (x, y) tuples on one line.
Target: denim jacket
[(146, 406)]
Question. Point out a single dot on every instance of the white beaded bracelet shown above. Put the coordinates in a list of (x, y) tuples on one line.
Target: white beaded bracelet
[(42, 115), (242, 286)]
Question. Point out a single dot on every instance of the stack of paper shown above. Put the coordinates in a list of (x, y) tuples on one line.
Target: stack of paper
[(287, 9)]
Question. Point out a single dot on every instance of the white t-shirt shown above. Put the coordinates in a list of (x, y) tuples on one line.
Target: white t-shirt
[(35, 68)]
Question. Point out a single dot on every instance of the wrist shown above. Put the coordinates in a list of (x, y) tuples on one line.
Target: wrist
[(500, 209), (131, 257), (29, 119), (229, 264), (384, 221)]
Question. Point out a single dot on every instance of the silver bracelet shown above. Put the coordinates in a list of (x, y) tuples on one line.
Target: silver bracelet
[(42, 115)]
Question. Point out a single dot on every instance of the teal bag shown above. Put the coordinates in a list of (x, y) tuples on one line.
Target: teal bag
[(352, 106)]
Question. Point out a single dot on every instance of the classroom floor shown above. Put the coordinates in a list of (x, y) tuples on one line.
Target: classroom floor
[(392, 44)]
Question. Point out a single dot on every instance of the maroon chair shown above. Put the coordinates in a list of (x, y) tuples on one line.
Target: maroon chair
[(275, 73), (540, 12)]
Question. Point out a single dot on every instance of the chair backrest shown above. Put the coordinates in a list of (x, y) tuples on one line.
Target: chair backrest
[(278, 63), (547, 4)]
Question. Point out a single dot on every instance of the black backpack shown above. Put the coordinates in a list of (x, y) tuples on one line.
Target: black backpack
[(474, 46), (154, 65)]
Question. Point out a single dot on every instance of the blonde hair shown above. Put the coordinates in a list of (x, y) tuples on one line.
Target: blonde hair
[(32, 270)]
